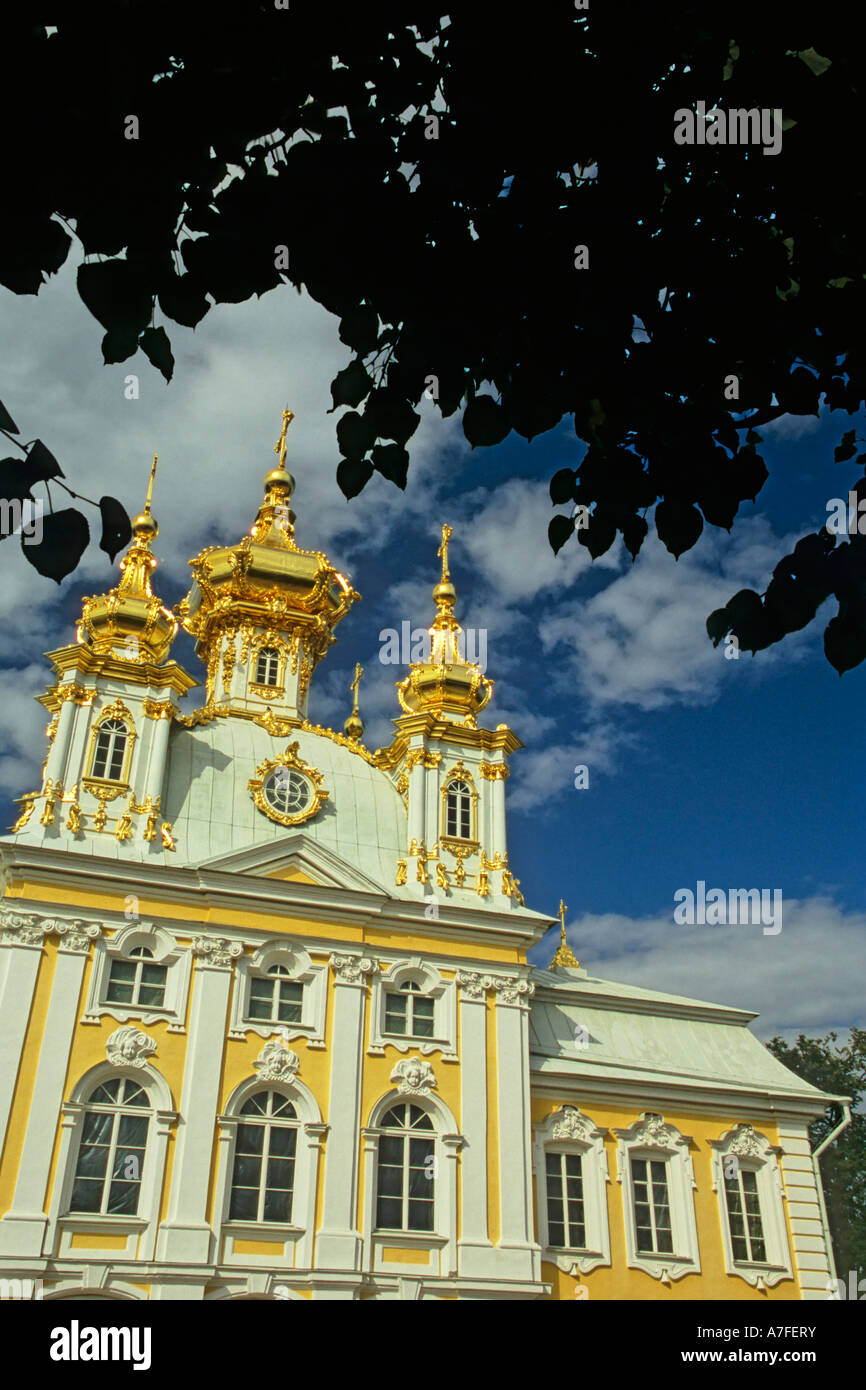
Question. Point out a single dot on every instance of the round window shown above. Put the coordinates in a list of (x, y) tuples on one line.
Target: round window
[(287, 791)]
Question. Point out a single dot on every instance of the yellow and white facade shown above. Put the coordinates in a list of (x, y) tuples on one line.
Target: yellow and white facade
[(268, 1027)]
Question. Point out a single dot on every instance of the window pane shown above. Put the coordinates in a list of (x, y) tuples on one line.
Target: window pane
[(133, 1094), (123, 1198), (91, 1161), (86, 1195), (151, 996), (420, 1216), (244, 1204), (280, 1173), (282, 1142), (96, 1128), (250, 1139), (278, 1206), (389, 1213), (106, 1094)]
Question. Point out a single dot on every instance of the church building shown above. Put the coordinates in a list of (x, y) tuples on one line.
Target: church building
[(268, 1024)]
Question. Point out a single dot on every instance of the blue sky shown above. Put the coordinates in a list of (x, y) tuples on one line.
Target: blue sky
[(740, 773)]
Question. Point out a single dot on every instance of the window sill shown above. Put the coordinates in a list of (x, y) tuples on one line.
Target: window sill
[(411, 1240), (82, 1221), (262, 1230)]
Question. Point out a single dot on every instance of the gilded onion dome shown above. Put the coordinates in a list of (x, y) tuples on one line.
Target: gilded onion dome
[(446, 684), (266, 581), (130, 621)]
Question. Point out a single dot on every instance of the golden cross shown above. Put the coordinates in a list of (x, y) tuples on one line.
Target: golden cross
[(563, 908), (359, 671), (447, 533), (280, 446), (150, 484)]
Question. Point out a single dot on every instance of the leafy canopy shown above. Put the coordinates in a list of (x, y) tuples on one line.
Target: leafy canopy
[(493, 203)]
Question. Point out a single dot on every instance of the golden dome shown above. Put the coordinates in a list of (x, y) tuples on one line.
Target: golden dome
[(446, 685), (265, 579), (130, 621)]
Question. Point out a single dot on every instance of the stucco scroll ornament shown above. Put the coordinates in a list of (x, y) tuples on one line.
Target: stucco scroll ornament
[(655, 1131), (22, 927), (414, 1077), (473, 984), (216, 950), (350, 970), (276, 1062), (746, 1142), (514, 991), (129, 1047), (75, 935), (570, 1124)]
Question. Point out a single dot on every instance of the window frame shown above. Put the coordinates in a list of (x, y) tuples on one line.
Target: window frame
[(652, 1139), (119, 711), (266, 1122), (166, 952), (303, 970), (141, 956), (567, 1130), (140, 1230), (459, 773), (435, 986), (295, 1236), (754, 1152)]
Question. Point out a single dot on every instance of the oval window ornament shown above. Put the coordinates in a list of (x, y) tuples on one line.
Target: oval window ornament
[(288, 790)]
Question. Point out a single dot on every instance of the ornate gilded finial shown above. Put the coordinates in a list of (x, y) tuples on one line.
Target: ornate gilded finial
[(147, 499), (564, 956), (280, 446), (447, 533), (354, 725)]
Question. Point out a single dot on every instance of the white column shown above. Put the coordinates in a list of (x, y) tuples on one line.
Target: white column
[(338, 1243), (417, 791), (186, 1237), (519, 1253), (22, 952), (23, 1227), (154, 776), (56, 766), (476, 1253), (497, 797)]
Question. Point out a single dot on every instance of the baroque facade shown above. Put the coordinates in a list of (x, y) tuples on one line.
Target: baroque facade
[(268, 1025)]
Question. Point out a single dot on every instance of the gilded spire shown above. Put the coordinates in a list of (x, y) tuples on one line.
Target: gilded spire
[(354, 725), (445, 682), (280, 446), (564, 956), (130, 621), (275, 523)]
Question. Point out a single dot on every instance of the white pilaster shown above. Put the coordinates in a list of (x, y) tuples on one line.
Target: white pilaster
[(476, 1253), (55, 768), (186, 1237), (22, 1229), (22, 952), (519, 1252), (338, 1244)]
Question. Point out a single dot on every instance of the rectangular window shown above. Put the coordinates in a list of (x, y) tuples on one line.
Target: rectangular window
[(422, 1017), (652, 1210), (395, 1013), (120, 982), (744, 1217), (566, 1227)]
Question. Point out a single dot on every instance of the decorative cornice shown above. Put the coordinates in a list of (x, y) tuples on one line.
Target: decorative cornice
[(513, 990), (216, 950), (31, 928), (569, 1123), (129, 1047), (422, 756), (474, 985), (160, 709)]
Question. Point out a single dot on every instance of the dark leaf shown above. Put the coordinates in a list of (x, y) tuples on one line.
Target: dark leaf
[(116, 530), (562, 486), (485, 422), (390, 416), (634, 532), (559, 531), (118, 344), (678, 525), (599, 535), (847, 449), (64, 539), (41, 463), (359, 329), (155, 344), (844, 643), (718, 625), (392, 461), (183, 300), (116, 294), (351, 385), (6, 421), (354, 437), (352, 475)]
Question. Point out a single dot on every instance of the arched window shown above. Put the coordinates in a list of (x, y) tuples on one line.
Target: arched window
[(276, 997), (408, 1012), (137, 980), (264, 1159), (458, 811), (267, 666), (405, 1181), (112, 1148), (744, 1215), (110, 750)]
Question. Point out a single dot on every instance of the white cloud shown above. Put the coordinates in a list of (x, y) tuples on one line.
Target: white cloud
[(808, 978)]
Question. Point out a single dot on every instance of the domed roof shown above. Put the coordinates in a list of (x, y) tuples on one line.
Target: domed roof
[(213, 811)]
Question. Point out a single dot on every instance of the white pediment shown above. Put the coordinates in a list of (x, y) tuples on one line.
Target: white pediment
[(296, 857)]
